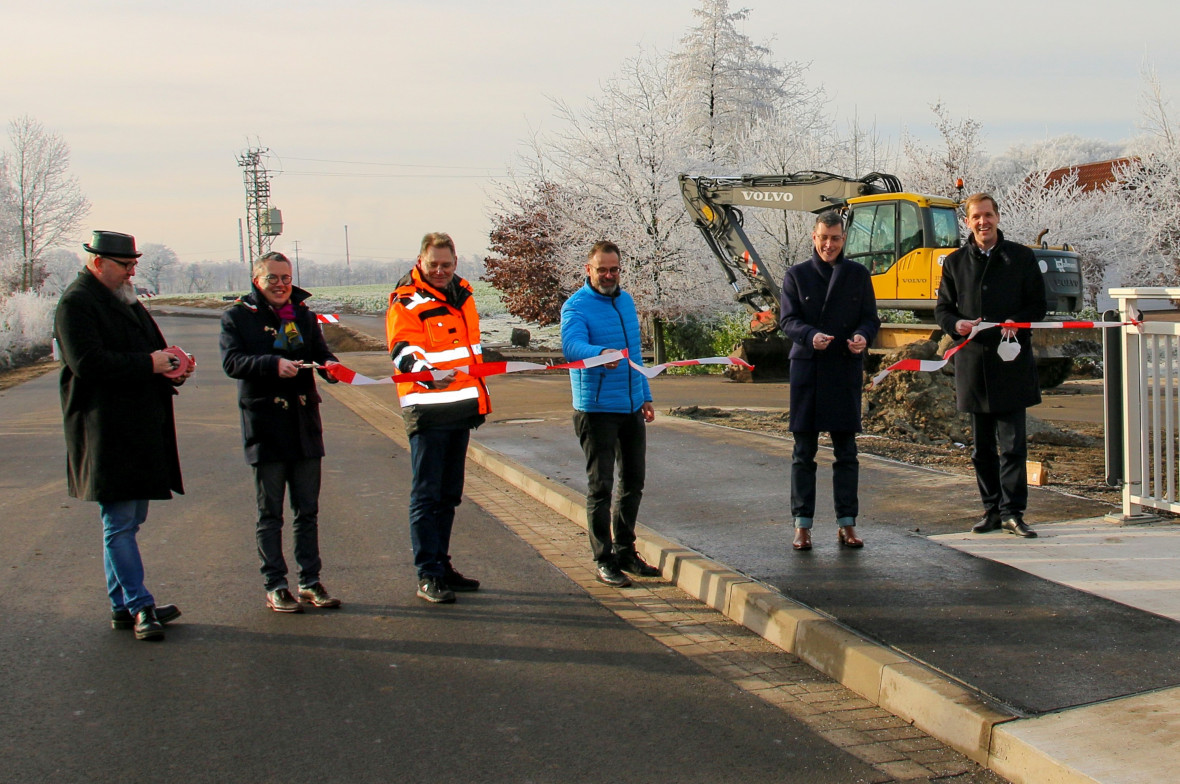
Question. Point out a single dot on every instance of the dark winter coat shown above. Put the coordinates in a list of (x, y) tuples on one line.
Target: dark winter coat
[(826, 385), (119, 427), (280, 416), (1005, 284)]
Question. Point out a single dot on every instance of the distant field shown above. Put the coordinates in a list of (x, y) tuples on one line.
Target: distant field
[(356, 299)]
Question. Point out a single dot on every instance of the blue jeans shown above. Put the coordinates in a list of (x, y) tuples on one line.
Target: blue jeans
[(845, 477), (438, 458), (301, 479), (120, 554)]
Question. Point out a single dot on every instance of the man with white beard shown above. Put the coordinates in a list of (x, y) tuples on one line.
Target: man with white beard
[(117, 383)]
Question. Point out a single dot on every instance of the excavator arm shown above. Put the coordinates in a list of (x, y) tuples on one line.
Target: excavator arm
[(713, 203)]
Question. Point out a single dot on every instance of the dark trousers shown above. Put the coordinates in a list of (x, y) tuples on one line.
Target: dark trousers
[(438, 458), (301, 478), (845, 476), (1002, 478), (608, 438)]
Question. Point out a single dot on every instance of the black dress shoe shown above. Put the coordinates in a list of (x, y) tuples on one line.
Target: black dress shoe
[(609, 574), (1014, 525), (632, 563), (990, 522), (165, 613), (147, 627)]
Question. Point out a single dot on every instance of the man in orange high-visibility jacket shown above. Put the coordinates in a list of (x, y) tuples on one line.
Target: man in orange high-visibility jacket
[(432, 325)]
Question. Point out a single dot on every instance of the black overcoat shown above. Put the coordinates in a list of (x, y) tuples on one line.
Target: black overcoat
[(826, 385), (1005, 284), (280, 416), (119, 427)]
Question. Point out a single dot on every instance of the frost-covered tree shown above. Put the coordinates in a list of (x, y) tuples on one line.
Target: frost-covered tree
[(616, 163), (934, 170), (155, 264), (726, 83), (61, 267), (49, 203), (1088, 221)]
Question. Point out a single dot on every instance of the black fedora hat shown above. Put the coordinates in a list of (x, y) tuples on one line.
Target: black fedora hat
[(113, 244)]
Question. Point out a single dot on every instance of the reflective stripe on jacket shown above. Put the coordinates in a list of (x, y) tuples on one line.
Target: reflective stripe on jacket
[(429, 329)]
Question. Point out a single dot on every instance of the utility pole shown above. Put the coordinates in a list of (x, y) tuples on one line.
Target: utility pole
[(347, 260), (297, 283), (263, 222)]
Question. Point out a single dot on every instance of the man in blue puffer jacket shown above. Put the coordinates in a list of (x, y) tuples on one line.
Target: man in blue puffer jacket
[(612, 405)]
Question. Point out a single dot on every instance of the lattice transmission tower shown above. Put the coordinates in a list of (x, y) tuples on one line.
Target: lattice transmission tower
[(263, 222)]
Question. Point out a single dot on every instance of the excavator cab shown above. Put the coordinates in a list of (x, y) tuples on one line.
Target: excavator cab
[(902, 240)]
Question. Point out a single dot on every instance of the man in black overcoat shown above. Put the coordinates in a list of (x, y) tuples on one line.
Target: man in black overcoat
[(270, 340), (829, 314), (992, 279), (117, 383)]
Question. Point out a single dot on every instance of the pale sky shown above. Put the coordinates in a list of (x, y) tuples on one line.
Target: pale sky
[(423, 102)]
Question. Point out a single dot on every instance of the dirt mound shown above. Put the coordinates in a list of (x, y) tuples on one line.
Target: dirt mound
[(342, 339), (920, 407), (913, 406)]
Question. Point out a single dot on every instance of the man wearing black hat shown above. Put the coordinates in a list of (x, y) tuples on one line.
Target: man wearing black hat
[(117, 383)]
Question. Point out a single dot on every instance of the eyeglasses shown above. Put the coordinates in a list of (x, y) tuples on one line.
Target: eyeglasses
[(124, 264), (273, 279), (608, 270)]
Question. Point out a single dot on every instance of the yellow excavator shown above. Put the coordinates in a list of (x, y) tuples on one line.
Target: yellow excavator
[(901, 237)]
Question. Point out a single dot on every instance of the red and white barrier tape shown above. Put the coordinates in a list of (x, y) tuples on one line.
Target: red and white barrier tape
[(327, 318), (485, 369), (930, 365)]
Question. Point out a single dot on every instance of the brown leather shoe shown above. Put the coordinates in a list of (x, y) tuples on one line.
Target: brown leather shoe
[(846, 535), (802, 539)]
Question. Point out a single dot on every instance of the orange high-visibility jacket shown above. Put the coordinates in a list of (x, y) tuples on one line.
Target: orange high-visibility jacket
[(431, 330)]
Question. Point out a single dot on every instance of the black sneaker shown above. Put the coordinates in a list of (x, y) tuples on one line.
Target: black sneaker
[(458, 583), (435, 590), (609, 574), (632, 563)]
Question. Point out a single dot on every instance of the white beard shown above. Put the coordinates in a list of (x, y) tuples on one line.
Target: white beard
[(126, 294)]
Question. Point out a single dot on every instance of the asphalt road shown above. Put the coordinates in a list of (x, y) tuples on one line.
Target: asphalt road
[(528, 680)]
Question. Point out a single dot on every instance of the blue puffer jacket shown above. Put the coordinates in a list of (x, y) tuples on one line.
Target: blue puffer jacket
[(590, 323)]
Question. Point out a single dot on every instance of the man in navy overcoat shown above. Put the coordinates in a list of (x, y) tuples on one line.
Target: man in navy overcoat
[(829, 314)]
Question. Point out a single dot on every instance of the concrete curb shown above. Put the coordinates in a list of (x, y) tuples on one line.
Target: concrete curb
[(935, 704)]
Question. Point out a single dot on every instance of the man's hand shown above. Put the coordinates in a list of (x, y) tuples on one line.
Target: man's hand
[(964, 326), (648, 411), (287, 368), (163, 361), (820, 341), (192, 365), (443, 382), (612, 365), (1008, 332), (326, 373), (857, 343)]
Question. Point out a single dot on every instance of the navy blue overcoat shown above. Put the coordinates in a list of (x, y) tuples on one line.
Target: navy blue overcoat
[(826, 385)]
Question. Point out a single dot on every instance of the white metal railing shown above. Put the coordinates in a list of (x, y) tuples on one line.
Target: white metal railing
[(1151, 399)]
